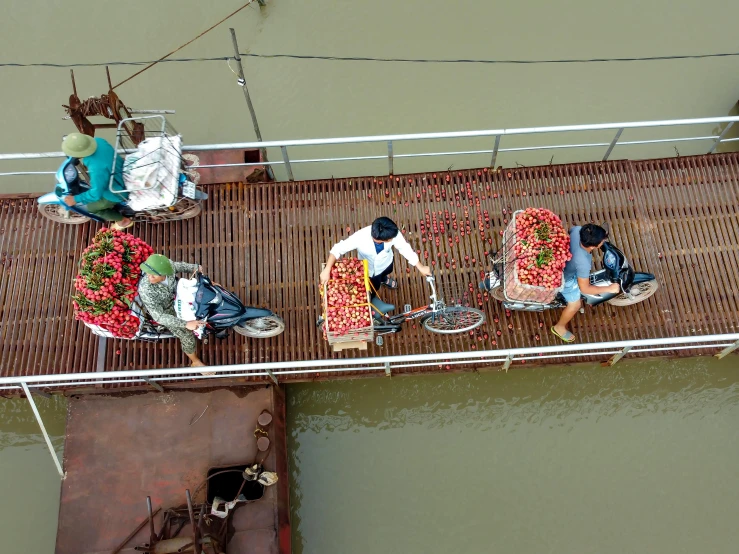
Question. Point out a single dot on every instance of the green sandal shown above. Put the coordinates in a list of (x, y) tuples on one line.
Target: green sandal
[(567, 337)]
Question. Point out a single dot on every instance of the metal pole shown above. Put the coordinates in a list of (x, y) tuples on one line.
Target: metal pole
[(495, 151), (613, 143), (287, 163), (728, 350), (720, 137), (102, 347), (195, 530), (390, 156), (242, 82), (152, 532), (272, 376), (154, 385), (43, 429), (616, 357)]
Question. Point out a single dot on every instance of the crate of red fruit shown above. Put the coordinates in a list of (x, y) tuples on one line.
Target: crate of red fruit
[(107, 284), (536, 247), (347, 313)]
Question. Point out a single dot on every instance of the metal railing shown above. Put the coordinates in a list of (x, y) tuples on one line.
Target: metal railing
[(273, 370), (608, 352), (495, 136)]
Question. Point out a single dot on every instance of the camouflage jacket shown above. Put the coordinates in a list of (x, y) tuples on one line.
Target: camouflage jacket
[(159, 299)]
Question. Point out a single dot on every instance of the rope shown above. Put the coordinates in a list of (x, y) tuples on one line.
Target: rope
[(188, 42)]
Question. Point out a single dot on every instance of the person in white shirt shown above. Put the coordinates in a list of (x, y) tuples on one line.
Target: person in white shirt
[(375, 244)]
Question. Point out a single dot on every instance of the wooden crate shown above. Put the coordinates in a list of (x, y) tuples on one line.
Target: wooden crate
[(356, 338)]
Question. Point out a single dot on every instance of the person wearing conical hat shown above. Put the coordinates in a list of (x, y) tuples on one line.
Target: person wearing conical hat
[(97, 156), (157, 291)]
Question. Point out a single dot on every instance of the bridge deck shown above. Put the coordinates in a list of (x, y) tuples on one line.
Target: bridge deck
[(676, 218)]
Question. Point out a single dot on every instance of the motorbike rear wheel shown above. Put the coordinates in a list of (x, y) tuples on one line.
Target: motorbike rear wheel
[(498, 293), (191, 212), (58, 214), (639, 293), (261, 327)]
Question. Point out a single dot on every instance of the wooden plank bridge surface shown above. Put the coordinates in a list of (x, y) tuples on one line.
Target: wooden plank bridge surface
[(676, 218)]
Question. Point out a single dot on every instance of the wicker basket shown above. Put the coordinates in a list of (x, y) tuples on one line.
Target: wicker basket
[(514, 289), (356, 338)]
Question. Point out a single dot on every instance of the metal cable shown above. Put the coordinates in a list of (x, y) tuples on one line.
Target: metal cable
[(166, 59)]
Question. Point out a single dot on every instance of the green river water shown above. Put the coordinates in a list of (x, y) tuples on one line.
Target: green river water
[(639, 458), (636, 458)]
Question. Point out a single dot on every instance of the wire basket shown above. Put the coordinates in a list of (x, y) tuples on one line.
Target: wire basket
[(515, 290), (154, 171), (451, 294)]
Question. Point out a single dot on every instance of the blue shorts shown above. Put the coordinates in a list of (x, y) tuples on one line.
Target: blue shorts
[(571, 290)]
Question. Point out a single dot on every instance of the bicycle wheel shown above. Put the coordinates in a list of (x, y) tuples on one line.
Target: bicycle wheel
[(454, 319)]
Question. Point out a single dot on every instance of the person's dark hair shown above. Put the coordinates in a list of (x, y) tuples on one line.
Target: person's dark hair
[(592, 235), (384, 228)]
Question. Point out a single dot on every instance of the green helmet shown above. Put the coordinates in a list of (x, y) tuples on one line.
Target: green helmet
[(158, 265), (77, 145)]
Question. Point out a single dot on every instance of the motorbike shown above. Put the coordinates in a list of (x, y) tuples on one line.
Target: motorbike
[(203, 300), (635, 286), (160, 181)]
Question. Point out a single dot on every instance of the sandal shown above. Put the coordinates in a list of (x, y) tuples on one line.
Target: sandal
[(118, 227), (567, 337), (390, 283)]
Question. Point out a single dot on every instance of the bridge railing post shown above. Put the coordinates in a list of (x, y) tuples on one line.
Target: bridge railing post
[(40, 422)]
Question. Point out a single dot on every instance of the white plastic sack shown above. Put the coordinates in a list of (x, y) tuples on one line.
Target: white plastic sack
[(155, 165), (184, 304)]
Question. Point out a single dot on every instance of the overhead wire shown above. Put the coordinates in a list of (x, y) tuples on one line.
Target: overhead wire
[(166, 59)]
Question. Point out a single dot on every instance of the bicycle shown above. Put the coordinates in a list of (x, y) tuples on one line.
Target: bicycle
[(437, 317)]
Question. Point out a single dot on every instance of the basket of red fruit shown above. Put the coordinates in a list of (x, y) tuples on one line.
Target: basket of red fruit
[(346, 310), (536, 247), (107, 284)]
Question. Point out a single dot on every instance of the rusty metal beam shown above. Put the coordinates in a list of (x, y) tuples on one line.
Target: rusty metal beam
[(266, 241)]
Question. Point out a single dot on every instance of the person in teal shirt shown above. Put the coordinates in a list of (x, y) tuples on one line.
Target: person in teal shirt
[(97, 156)]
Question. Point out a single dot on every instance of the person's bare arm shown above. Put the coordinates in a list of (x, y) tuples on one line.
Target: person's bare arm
[(326, 273), (587, 288), (424, 269)]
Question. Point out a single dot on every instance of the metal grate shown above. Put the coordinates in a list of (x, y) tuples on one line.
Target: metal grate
[(676, 218)]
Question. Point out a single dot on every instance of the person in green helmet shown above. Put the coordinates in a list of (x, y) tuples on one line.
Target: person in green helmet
[(97, 156), (157, 292)]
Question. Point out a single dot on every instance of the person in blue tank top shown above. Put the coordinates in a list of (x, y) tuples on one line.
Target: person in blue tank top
[(97, 156), (583, 240)]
